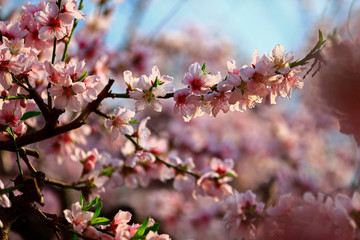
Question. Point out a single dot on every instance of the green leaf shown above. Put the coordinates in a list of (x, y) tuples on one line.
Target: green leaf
[(153, 228), (203, 68), (74, 236), (320, 36), (97, 211), (107, 171), (156, 82), (133, 121), (30, 114), (82, 76), (82, 200), (93, 202), (100, 221), (229, 175), (141, 231)]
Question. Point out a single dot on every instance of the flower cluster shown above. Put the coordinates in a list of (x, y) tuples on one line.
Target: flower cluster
[(267, 77), (146, 89), (88, 224), (55, 108)]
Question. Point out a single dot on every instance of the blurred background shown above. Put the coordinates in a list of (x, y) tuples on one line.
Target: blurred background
[(249, 25), (293, 146)]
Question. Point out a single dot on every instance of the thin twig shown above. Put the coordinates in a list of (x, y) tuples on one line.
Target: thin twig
[(11, 189), (67, 43), (125, 95), (98, 112), (22, 153), (180, 169), (64, 185), (30, 152)]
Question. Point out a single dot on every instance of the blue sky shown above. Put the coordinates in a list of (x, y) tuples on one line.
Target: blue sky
[(249, 24)]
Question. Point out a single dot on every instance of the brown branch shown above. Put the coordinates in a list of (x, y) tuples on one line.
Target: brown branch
[(22, 153), (65, 185), (40, 103), (50, 130), (30, 152)]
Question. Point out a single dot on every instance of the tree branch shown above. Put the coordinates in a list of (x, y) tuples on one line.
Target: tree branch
[(50, 131)]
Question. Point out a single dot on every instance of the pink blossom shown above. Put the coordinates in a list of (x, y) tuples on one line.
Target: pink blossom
[(69, 6), (350, 207), (283, 86), (210, 184), (88, 159), (8, 64), (218, 101), (340, 91), (144, 134), (119, 122), (198, 81), (187, 104), (155, 236), (128, 233), (15, 46), (12, 30), (223, 167), (10, 114), (283, 206), (66, 94), (92, 84), (53, 71), (308, 218), (280, 59), (78, 218), (242, 213), (4, 200), (183, 181), (120, 221), (53, 23), (139, 157), (233, 67), (146, 89), (73, 68)]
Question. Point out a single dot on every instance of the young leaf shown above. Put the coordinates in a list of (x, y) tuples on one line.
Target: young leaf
[(153, 228), (156, 82), (82, 76), (97, 211), (141, 231), (30, 114), (107, 171), (100, 221), (320, 36), (133, 121), (82, 200), (229, 175), (203, 68), (93, 202)]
